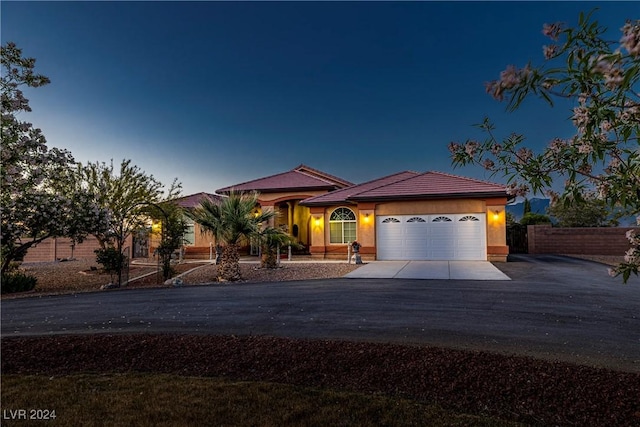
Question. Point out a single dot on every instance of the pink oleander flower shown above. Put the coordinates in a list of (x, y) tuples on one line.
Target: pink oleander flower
[(550, 51), (585, 147), (515, 189), (633, 239), (552, 30), (580, 117), (631, 256), (454, 147), (557, 145), (612, 272), (582, 99), (496, 149), (524, 155), (488, 164), (613, 77), (509, 77), (631, 38), (471, 147), (495, 90)]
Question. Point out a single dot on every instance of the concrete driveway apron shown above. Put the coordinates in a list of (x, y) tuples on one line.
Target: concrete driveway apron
[(436, 270)]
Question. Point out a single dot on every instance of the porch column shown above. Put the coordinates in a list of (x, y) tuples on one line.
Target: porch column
[(497, 249), (268, 208), (317, 239)]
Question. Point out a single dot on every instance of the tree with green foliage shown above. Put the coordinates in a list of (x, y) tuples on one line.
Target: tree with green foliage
[(591, 212), (531, 218), (40, 195), (232, 220), (126, 194), (173, 227), (601, 78)]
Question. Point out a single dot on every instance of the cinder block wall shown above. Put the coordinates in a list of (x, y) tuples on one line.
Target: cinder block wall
[(60, 248), (544, 239)]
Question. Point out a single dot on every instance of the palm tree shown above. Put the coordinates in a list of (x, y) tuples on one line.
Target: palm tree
[(230, 220), (270, 239)]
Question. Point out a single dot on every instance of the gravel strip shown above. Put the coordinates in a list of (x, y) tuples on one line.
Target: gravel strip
[(77, 275)]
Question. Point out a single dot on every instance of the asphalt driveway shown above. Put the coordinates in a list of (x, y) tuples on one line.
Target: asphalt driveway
[(553, 307)]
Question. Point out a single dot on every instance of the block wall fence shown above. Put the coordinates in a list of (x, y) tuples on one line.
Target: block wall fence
[(55, 249), (544, 239)]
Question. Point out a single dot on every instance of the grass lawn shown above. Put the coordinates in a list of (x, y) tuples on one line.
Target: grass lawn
[(171, 400)]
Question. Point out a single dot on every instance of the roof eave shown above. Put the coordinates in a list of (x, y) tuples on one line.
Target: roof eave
[(332, 203), (475, 195), (277, 190)]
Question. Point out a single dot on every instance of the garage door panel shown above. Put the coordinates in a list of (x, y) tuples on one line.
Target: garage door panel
[(431, 237)]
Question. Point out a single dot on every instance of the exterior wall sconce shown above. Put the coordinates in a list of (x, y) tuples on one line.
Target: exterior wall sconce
[(366, 217), (496, 215), (316, 221)]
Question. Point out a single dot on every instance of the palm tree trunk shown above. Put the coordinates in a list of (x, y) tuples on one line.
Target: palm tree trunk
[(269, 258), (230, 264)]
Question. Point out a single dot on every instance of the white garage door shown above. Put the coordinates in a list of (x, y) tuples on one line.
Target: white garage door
[(431, 237)]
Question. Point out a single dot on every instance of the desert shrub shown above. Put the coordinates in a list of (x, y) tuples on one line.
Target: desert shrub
[(110, 258), (17, 281)]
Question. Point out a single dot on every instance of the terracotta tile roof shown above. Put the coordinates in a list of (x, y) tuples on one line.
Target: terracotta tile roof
[(315, 172), (299, 178), (432, 185), (343, 195), (193, 200)]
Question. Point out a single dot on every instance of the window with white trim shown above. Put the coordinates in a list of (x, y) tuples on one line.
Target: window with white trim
[(189, 236), (342, 226)]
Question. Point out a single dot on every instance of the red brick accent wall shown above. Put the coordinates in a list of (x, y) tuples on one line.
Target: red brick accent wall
[(544, 239)]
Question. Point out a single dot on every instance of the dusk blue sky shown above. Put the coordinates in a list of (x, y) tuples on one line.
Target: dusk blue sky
[(217, 93)]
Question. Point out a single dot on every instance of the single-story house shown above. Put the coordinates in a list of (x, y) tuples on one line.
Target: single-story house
[(404, 216)]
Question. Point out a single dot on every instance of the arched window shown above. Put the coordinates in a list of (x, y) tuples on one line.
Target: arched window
[(342, 226), (390, 219), (416, 219)]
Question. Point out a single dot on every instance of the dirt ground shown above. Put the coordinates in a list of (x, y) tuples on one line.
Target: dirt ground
[(522, 389)]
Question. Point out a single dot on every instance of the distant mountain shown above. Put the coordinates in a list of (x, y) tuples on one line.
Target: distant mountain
[(537, 206)]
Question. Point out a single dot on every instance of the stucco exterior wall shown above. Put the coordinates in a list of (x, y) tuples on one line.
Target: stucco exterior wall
[(418, 207), (290, 213)]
